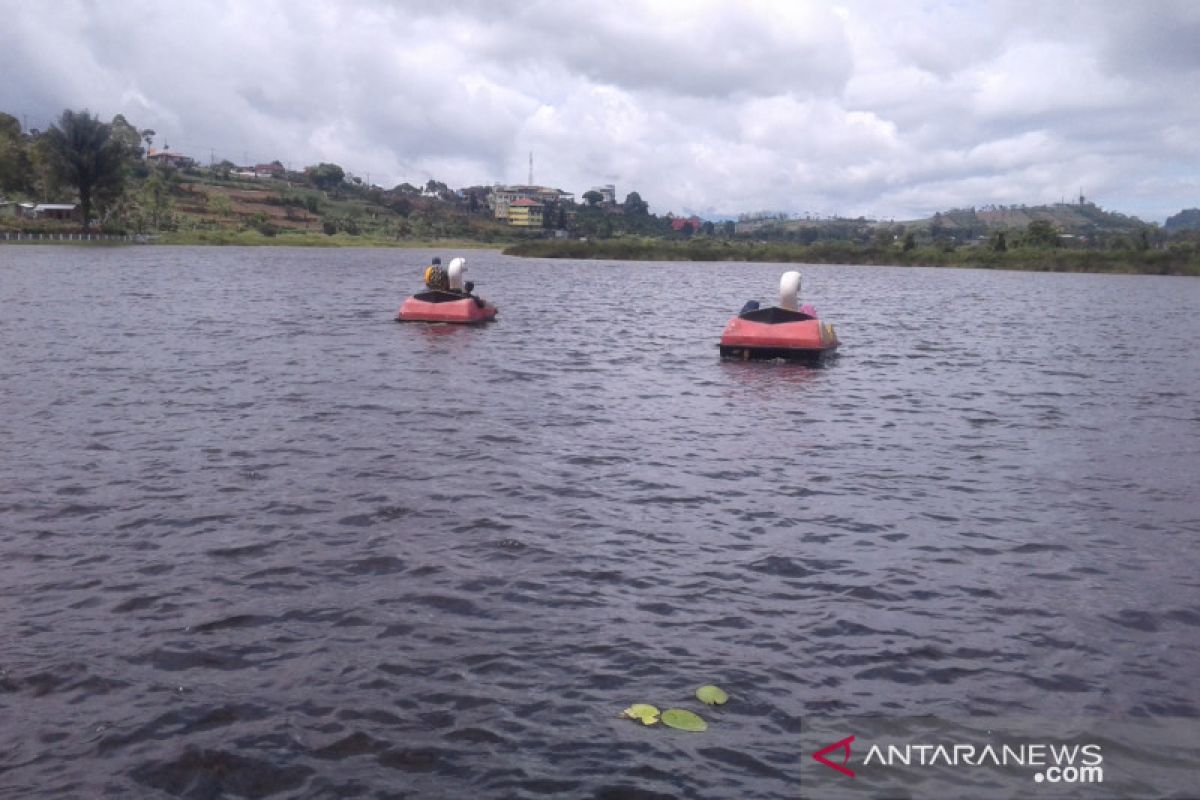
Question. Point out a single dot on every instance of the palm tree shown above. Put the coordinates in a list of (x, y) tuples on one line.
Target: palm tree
[(86, 156)]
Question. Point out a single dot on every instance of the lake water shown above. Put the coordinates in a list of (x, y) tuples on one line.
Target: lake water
[(259, 540)]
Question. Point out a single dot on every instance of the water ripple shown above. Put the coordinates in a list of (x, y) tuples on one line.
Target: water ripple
[(260, 541)]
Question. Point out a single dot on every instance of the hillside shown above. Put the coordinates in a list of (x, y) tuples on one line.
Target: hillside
[(203, 206), (1078, 219), (1082, 224), (167, 196)]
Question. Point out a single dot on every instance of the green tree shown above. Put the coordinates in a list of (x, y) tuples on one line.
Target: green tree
[(910, 242), (84, 154), (157, 198), (729, 228), (10, 127), (1040, 233), (129, 136), (325, 176), (44, 179), (592, 197), (635, 206), (10, 165), (936, 229), (14, 161), (998, 243)]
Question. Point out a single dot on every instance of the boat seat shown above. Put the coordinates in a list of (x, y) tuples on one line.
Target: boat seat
[(775, 315), (440, 296)]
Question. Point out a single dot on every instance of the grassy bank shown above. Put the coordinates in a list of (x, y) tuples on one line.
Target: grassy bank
[(65, 242), (1178, 260), (254, 238)]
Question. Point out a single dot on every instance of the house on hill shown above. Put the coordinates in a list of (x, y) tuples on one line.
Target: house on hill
[(64, 212), (260, 171), (678, 223), (169, 159)]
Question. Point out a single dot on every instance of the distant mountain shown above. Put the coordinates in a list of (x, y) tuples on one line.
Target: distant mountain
[(1186, 220)]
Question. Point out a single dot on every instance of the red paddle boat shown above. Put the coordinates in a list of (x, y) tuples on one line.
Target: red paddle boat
[(454, 304), (783, 331)]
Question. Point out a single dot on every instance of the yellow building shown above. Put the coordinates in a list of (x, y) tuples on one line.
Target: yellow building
[(525, 213), (502, 197)]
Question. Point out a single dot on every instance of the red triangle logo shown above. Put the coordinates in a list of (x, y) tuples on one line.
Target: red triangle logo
[(843, 745)]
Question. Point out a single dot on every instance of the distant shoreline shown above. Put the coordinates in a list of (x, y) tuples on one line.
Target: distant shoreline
[(255, 239), (1119, 262), (1148, 262)]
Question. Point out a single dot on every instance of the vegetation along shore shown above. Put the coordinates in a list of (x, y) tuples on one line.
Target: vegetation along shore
[(84, 175), (1165, 261)]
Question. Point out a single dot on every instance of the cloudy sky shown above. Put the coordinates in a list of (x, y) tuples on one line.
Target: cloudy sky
[(885, 109)]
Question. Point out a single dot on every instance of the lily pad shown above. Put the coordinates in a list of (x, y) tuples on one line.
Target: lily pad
[(648, 714), (711, 695), (683, 720)]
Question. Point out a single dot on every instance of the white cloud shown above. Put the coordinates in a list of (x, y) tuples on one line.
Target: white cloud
[(894, 109), (1048, 79)]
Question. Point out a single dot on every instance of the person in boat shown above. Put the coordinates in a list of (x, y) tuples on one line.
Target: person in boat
[(436, 277)]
